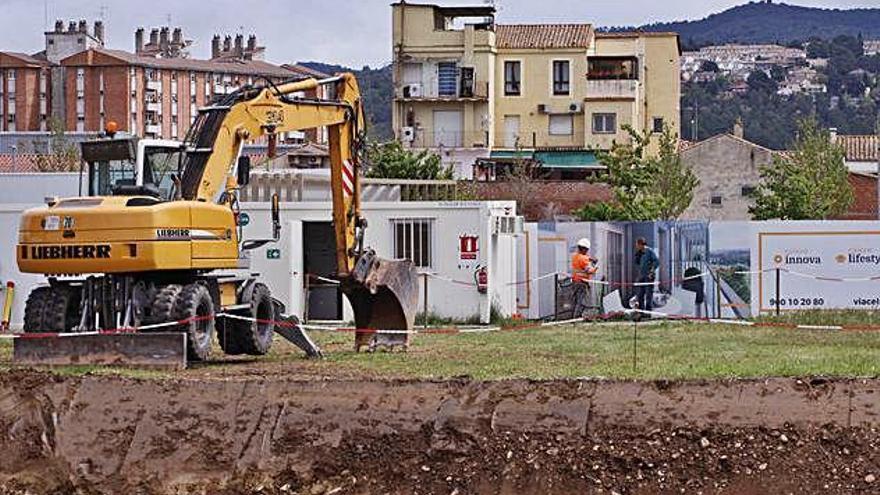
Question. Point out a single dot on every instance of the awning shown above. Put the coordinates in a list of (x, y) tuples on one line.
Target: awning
[(512, 155), (568, 159)]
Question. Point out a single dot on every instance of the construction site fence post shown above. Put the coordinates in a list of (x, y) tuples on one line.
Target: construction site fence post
[(717, 279), (555, 297), (425, 304), (778, 283)]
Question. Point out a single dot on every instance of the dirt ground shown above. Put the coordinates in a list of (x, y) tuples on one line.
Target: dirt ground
[(216, 434)]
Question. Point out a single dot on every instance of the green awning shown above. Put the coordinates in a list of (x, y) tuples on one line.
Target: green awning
[(512, 154), (567, 159)]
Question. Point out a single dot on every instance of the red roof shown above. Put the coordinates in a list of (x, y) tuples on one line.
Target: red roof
[(245, 67), (21, 162), (543, 35), (860, 148)]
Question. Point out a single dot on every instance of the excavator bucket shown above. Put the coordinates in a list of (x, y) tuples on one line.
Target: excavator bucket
[(384, 296)]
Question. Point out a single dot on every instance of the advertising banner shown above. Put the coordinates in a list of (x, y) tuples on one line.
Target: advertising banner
[(822, 265)]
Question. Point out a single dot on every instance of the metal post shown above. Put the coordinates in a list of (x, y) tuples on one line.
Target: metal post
[(556, 297), (717, 279), (635, 343), (425, 305), (777, 290)]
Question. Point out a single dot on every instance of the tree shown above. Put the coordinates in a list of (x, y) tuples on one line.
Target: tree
[(760, 82), (645, 187), (60, 154), (392, 161), (808, 183), (708, 66)]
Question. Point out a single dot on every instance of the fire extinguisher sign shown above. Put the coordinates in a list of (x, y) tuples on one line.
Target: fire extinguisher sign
[(468, 247)]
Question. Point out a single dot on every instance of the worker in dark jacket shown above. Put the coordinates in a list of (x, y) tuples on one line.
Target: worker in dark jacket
[(646, 269)]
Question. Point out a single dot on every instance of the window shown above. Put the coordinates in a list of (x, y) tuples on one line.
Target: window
[(561, 125), (715, 200), (658, 124), (604, 123), (561, 77), (413, 240), (612, 68), (466, 82), (748, 190), (512, 79)]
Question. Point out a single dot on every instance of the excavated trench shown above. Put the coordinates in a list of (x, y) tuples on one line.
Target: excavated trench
[(118, 435)]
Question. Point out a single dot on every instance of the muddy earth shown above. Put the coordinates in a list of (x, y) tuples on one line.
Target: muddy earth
[(317, 436)]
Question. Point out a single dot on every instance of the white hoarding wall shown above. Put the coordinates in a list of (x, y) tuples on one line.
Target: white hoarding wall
[(822, 265)]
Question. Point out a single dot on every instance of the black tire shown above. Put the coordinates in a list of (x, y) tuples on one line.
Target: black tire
[(62, 310), (34, 308), (162, 307), (194, 303), (252, 337)]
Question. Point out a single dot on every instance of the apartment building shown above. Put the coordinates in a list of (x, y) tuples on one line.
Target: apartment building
[(481, 92), (154, 91), (150, 96), (24, 92)]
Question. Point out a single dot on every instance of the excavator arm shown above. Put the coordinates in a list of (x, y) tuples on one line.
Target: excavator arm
[(383, 293)]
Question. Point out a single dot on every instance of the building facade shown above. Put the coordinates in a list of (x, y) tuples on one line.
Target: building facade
[(472, 89), (729, 169), (154, 91)]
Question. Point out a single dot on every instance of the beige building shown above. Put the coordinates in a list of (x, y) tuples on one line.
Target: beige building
[(473, 89)]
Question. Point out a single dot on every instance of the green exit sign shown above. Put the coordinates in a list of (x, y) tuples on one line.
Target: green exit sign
[(273, 254)]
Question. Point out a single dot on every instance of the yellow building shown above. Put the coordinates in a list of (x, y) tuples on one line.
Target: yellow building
[(474, 90)]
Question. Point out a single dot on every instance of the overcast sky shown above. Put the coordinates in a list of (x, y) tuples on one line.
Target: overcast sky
[(348, 32)]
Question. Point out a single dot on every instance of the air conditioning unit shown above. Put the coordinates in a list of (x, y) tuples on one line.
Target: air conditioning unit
[(412, 91), (509, 225), (575, 107), (542, 108), (407, 134)]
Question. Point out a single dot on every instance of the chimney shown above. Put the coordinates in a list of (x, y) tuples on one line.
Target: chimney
[(738, 128), (832, 133), (163, 39), (215, 46), (59, 26), (83, 27), (99, 30), (227, 44), (71, 27), (252, 43), (139, 40), (177, 37), (239, 45), (154, 37)]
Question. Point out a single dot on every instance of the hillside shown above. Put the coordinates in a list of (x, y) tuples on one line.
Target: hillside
[(376, 87), (765, 22)]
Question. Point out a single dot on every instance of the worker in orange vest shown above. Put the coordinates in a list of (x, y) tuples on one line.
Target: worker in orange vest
[(583, 268)]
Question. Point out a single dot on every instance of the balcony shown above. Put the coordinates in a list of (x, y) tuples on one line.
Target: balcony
[(154, 107), (154, 85), (426, 138), (599, 89), (153, 129), (430, 91)]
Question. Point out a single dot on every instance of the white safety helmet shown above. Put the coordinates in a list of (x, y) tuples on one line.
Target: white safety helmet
[(584, 243)]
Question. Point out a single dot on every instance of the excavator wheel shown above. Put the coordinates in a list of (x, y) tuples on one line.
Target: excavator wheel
[(251, 337), (162, 307), (62, 312), (194, 304), (34, 308)]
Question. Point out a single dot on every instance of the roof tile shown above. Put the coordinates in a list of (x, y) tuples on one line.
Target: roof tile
[(543, 35), (860, 148)]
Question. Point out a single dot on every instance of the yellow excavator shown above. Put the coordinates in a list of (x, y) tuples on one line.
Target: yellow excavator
[(149, 264)]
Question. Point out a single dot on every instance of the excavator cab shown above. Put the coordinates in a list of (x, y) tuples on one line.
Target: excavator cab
[(129, 166)]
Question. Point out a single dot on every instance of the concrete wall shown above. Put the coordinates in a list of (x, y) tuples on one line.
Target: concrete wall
[(32, 189)]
